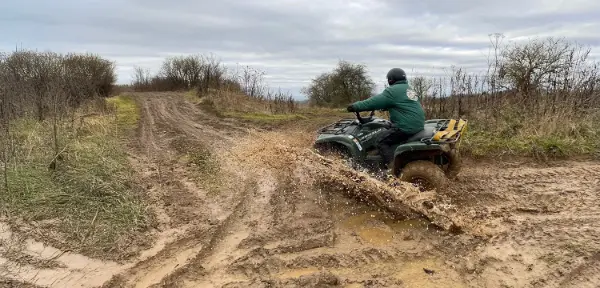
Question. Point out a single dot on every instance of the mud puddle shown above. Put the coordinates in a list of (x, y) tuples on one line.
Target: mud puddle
[(375, 226)]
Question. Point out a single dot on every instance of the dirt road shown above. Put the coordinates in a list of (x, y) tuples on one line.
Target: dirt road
[(237, 207)]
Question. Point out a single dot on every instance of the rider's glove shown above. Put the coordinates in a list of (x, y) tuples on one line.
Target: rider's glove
[(350, 109)]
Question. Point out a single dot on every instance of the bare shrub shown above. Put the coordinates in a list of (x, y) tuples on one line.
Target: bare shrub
[(50, 85), (183, 73), (35, 78), (543, 97), (241, 90), (96, 75), (214, 76)]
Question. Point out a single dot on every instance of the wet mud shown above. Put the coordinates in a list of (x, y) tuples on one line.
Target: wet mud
[(242, 207)]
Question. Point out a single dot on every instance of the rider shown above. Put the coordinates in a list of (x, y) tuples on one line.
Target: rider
[(406, 114)]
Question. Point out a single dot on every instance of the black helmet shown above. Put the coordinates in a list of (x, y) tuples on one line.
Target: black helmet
[(395, 75)]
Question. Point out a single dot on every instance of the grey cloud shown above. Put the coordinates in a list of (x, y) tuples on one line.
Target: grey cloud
[(292, 40)]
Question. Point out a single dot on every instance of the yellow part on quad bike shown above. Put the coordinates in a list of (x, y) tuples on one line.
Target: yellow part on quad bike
[(452, 132)]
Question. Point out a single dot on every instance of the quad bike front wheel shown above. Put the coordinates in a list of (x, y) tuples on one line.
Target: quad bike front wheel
[(425, 175)]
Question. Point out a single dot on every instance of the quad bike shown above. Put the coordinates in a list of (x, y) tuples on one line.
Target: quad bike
[(427, 159)]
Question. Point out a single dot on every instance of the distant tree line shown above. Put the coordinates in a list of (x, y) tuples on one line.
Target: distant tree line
[(540, 75)]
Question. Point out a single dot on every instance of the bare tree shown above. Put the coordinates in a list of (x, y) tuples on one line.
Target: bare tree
[(526, 66), (141, 78), (494, 60), (422, 86)]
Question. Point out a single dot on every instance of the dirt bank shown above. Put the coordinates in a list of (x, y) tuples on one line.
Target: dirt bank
[(238, 207)]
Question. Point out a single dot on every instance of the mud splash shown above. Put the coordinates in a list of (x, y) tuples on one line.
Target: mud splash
[(281, 152)]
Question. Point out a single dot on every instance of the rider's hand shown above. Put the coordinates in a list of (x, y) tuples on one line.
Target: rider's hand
[(350, 109)]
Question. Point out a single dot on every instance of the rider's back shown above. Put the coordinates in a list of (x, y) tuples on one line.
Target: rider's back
[(407, 113), (403, 105)]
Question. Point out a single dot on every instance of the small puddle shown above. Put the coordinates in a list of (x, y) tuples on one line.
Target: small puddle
[(376, 227)]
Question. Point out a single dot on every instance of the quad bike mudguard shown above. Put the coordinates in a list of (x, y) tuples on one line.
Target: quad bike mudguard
[(349, 142)]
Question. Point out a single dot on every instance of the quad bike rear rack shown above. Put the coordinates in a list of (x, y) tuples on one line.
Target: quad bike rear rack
[(448, 131), (337, 127)]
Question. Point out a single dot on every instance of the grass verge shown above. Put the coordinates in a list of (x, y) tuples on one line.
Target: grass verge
[(88, 202), (542, 138)]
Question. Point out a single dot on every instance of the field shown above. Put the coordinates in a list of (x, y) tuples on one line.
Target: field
[(207, 187)]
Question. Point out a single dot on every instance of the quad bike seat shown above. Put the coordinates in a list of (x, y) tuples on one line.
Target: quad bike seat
[(427, 132)]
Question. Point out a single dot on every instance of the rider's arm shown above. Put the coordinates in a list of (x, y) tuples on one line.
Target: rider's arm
[(377, 102)]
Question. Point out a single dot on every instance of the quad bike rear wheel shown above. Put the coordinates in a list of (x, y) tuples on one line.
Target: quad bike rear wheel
[(425, 175)]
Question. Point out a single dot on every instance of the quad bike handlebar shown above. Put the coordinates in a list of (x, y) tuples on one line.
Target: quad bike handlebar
[(362, 120)]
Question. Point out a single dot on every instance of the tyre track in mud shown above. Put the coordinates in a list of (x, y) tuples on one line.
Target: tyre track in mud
[(163, 123), (542, 224), (269, 224), (306, 235)]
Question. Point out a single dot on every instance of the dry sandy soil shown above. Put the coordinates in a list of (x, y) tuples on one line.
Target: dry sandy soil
[(238, 207)]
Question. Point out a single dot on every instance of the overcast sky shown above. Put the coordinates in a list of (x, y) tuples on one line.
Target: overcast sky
[(293, 40)]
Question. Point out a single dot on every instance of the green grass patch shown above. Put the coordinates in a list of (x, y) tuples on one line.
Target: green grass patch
[(88, 202), (192, 96), (480, 143), (202, 164), (127, 111)]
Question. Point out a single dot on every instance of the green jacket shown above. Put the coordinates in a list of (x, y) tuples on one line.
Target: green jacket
[(403, 104)]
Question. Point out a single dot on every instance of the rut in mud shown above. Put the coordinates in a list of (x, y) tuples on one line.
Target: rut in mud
[(237, 207)]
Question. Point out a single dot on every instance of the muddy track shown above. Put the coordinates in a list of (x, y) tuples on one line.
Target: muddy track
[(269, 222), (272, 214)]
